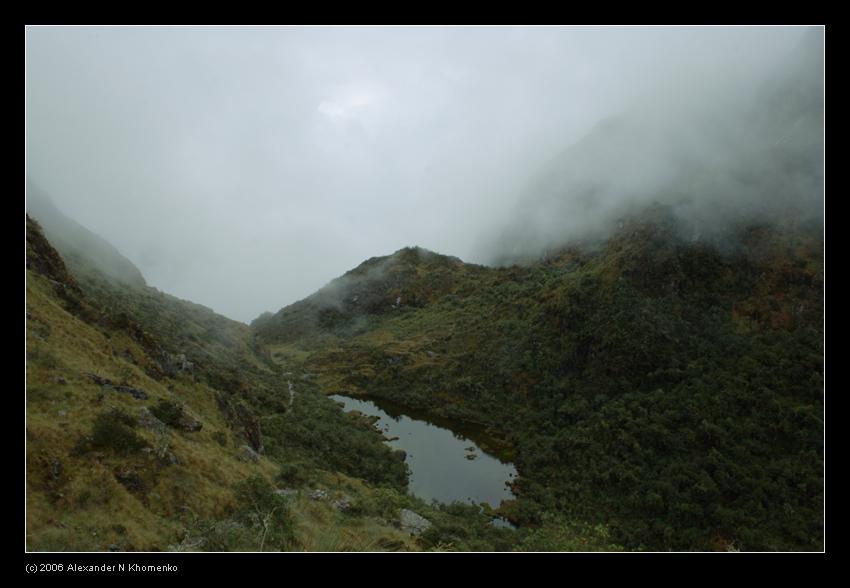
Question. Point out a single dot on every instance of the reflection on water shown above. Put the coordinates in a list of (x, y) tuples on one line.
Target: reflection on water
[(445, 465)]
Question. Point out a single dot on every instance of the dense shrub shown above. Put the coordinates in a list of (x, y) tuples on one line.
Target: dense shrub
[(113, 430)]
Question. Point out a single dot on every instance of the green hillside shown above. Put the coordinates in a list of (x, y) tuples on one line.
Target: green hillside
[(669, 389), (154, 424)]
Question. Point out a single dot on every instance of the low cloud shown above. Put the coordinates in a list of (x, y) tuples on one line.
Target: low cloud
[(244, 168)]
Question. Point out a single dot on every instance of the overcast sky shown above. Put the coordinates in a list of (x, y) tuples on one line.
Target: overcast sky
[(244, 168)]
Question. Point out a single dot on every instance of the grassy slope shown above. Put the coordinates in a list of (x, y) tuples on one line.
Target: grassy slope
[(670, 390), (96, 484)]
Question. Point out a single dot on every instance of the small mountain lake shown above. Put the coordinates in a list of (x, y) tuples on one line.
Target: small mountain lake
[(445, 464)]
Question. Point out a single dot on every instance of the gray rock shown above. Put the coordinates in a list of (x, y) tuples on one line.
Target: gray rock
[(56, 469), (173, 364), (148, 421), (136, 393), (97, 379), (413, 523), (287, 492), (318, 494), (342, 503)]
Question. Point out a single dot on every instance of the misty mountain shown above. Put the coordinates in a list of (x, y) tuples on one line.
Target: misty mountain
[(80, 247), (716, 159), (663, 387), (409, 278), (644, 341)]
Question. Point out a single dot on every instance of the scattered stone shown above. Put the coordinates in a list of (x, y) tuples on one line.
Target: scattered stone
[(470, 448), (318, 494), (174, 364), (136, 393), (114, 547), (246, 453), (413, 523), (342, 503), (162, 450), (97, 379), (60, 380), (56, 468), (287, 492), (471, 456), (431, 354), (63, 413)]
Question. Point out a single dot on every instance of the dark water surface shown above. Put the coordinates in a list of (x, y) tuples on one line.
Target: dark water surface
[(437, 455)]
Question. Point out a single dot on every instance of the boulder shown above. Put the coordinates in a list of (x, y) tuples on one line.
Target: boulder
[(136, 393), (413, 523), (318, 494), (342, 503), (56, 469)]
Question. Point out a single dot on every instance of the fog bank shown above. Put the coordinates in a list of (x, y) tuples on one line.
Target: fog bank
[(244, 168)]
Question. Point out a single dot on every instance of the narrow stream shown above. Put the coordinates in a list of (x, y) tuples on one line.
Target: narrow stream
[(445, 464)]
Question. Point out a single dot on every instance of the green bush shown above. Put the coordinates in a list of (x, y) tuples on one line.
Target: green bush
[(113, 430), (168, 411)]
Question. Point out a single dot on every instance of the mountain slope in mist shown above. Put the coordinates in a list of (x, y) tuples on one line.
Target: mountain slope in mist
[(79, 246), (715, 154)]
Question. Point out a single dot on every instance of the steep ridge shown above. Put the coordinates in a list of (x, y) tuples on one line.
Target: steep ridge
[(666, 387)]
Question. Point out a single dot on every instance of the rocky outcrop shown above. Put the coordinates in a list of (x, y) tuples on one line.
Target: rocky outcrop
[(413, 523), (175, 364), (174, 414), (108, 385)]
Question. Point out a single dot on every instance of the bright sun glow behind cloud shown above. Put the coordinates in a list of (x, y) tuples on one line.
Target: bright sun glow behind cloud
[(352, 101)]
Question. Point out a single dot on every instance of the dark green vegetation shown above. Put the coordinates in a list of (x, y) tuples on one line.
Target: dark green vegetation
[(659, 392)]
